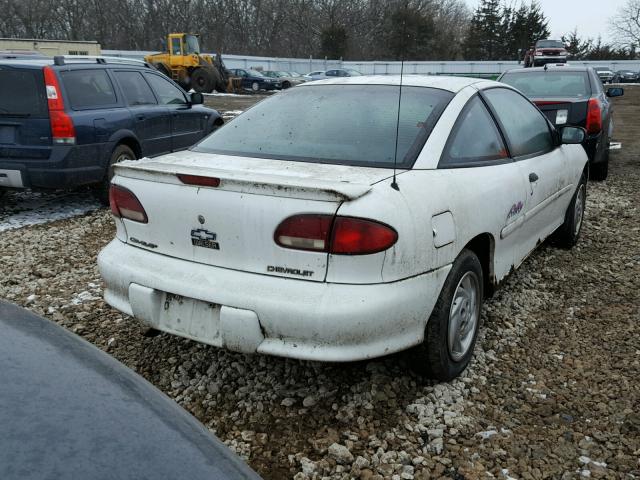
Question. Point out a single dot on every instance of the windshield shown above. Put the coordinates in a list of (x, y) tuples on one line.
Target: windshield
[(191, 44), (255, 73), (353, 73), (550, 84), (282, 74), (550, 44), (340, 124), (601, 69)]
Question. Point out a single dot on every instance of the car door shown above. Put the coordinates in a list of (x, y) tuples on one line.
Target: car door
[(187, 123), (543, 165), (487, 193), (152, 121)]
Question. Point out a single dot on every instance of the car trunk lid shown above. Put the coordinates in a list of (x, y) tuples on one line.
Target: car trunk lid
[(564, 111), (25, 130), (232, 225)]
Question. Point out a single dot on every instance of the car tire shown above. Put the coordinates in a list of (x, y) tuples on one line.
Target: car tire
[(202, 80), (120, 154), (600, 171), (286, 85), (255, 86), (569, 232), (452, 328)]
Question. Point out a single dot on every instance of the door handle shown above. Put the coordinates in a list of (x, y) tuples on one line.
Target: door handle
[(140, 117), (533, 177)]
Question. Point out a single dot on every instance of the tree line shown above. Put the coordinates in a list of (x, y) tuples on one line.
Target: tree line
[(348, 29)]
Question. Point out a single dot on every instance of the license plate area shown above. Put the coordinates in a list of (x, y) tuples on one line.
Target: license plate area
[(190, 317)]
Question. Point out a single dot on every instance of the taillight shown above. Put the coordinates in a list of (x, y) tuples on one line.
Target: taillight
[(124, 204), (305, 232), (594, 116), (199, 180), (339, 235), (62, 130)]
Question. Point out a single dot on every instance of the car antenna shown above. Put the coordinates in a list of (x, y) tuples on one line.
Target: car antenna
[(394, 183)]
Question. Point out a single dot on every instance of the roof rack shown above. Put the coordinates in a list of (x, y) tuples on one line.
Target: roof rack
[(66, 59)]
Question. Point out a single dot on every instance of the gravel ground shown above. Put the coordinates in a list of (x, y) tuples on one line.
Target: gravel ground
[(553, 390)]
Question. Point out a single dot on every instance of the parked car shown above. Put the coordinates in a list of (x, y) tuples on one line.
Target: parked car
[(315, 75), (625, 76), (70, 410), (66, 122), (546, 51), (342, 72), (572, 95), (254, 80), (301, 229), (285, 78), (295, 74), (605, 74)]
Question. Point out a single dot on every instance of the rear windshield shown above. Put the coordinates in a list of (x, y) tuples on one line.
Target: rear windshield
[(550, 83), (340, 124), (549, 44), (88, 88), (22, 92)]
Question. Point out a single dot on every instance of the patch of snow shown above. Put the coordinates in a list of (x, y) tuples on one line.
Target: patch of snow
[(25, 208), (487, 434), (584, 460), (232, 113)]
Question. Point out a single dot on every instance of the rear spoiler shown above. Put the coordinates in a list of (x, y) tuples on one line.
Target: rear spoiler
[(245, 181)]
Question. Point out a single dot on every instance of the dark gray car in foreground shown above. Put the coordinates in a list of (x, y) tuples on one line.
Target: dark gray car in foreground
[(70, 411)]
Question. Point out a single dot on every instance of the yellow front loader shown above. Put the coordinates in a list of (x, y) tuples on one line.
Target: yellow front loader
[(184, 63)]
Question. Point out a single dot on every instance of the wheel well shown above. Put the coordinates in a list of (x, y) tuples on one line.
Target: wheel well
[(483, 246), (133, 144)]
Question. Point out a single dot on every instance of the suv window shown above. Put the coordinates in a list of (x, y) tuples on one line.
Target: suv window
[(88, 88), (22, 92), (167, 92), (526, 128), (136, 89), (475, 138)]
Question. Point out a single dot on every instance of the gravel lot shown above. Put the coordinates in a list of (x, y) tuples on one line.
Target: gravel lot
[(553, 391)]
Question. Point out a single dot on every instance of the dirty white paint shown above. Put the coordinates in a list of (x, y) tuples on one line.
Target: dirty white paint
[(349, 307)]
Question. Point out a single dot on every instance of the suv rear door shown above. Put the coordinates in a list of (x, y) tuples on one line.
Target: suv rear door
[(25, 131), (152, 121), (187, 123)]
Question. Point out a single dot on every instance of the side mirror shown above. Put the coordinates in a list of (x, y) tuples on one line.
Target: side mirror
[(197, 98), (615, 92), (572, 135)]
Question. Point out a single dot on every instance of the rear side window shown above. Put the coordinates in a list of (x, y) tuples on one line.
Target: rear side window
[(136, 90), (525, 127), (22, 92), (475, 139), (167, 92), (88, 88)]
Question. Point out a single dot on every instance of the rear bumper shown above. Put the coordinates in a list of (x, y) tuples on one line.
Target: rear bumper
[(272, 315), (66, 166)]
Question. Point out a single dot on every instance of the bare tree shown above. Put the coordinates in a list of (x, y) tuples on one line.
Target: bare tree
[(625, 25)]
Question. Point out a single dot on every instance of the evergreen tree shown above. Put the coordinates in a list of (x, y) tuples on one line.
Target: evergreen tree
[(486, 32)]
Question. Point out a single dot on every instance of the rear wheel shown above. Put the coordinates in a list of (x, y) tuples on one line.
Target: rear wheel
[(567, 235), (255, 86), (202, 80), (120, 154), (452, 329), (286, 85)]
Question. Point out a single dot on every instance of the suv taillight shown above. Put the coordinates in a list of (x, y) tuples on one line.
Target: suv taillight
[(336, 235), (594, 116), (124, 204), (62, 130)]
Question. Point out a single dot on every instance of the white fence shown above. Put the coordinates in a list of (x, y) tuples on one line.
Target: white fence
[(303, 65)]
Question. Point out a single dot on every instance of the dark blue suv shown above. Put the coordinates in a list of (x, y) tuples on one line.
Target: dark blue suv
[(65, 121)]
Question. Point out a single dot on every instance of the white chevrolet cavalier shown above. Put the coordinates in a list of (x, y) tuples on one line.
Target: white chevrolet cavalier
[(285, 233)]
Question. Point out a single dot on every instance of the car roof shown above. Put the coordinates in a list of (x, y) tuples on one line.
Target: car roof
[(73, 63), (63, 400), (551, 69), (442, 82)]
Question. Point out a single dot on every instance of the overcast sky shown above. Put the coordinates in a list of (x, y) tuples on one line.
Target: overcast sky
[(589, 16)]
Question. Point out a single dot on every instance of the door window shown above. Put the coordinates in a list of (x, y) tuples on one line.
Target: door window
[(88, 88), (176, 47), (136, 89), (475, 139), (166, 91), (525, 127)]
